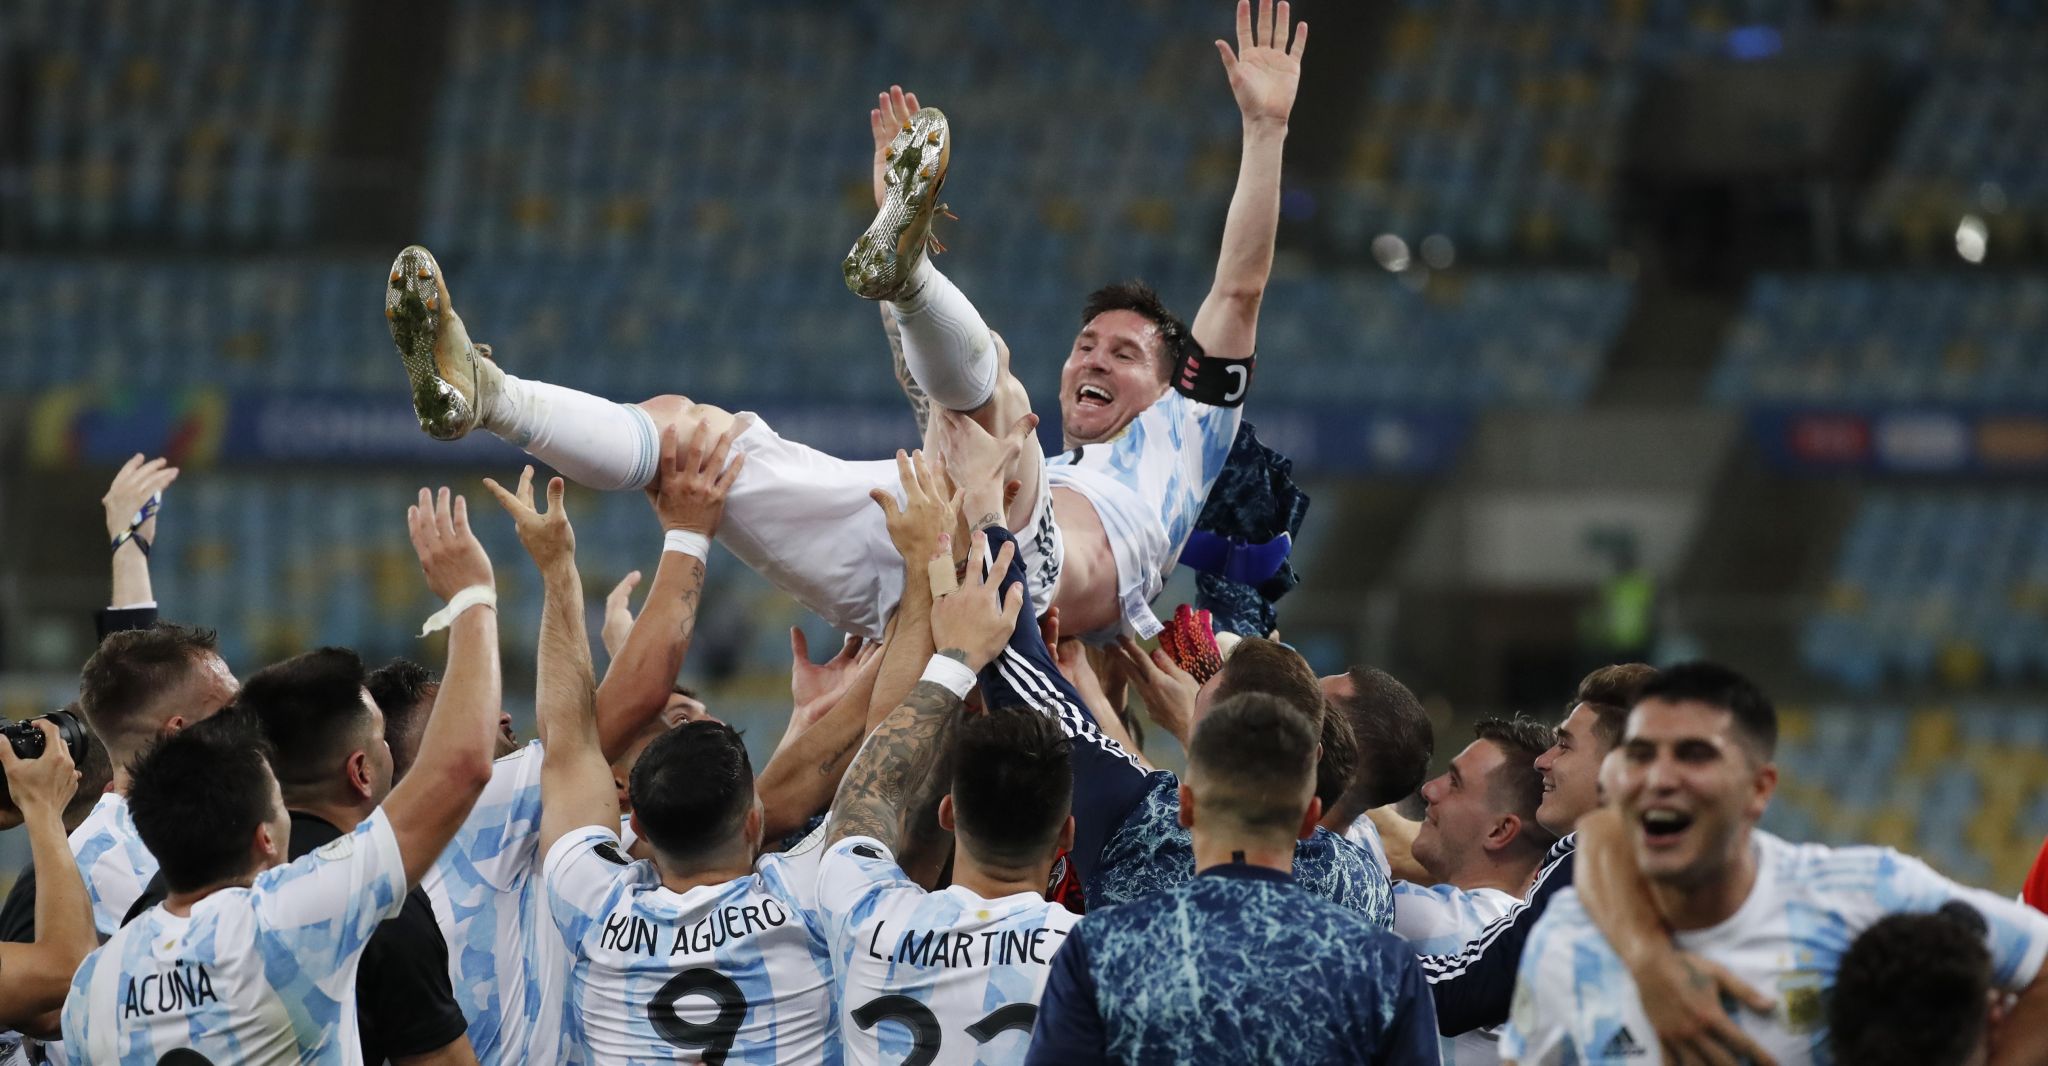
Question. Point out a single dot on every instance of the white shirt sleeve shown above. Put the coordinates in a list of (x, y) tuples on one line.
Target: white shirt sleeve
[(854, 876), (2016, 934), (1538, 1032), (506, 814), (583, 874), (326, 903)]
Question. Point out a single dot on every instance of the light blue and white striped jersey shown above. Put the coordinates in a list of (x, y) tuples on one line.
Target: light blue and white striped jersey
[(1575, 1002), (1366, 835), (735, 972), (255, 976), (943, 978), (507, 964), (1439, 920), (115, 863), (1147, 485)]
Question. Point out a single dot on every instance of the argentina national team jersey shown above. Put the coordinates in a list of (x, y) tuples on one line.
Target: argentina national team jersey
[(1575, 1002), (116, 864), (735, 972), (1152, 851), (938, 978), (251, 976), (506, 962), (1438, 920), (1148, 485)]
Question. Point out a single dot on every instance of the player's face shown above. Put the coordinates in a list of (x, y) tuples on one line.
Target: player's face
[(1461, 810), (1688, 789), (1571, 773), (280, 823), (206, 690), (1111, 376), (507, 740)]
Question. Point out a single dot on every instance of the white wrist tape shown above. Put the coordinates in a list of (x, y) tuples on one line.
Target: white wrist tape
[(950, 674), (458, 603), (692, 544)]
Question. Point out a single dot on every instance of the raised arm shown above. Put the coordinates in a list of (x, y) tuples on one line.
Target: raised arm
[(454, 763), (132, 604), (39, 974), (1264, 72), (688, 493), (914, 529), (806, 768), (564, 680), (972, 624)]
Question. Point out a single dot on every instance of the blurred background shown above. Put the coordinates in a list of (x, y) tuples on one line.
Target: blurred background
[(1601, 328)]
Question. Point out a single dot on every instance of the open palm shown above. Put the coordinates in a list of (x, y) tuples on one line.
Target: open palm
[(1265, 70)]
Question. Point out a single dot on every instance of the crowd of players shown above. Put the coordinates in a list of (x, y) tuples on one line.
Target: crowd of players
[(957, 852)]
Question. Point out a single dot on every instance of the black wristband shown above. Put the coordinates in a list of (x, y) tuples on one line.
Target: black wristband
[(1217, 382)]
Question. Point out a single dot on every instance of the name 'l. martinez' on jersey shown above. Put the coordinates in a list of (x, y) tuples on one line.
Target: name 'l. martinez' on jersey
[(734, 972), (938, 978), (507, 964), (252, 976)]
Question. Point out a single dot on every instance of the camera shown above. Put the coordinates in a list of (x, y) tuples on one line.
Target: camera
[(28, 741)]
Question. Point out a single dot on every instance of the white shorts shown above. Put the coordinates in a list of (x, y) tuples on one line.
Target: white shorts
[(803, 520)]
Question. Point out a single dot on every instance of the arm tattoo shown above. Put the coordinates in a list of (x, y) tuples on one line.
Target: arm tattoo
[(875, 796), (988, 519), (920, 404)]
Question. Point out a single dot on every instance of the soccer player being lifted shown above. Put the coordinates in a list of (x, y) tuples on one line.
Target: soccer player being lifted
[(1149, 407)]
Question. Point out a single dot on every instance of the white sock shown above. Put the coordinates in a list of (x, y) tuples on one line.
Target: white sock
[(946, 345), (594, 442)]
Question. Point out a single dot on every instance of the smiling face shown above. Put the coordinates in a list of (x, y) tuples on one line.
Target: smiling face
[(1688, 789), (1462, 811), (1115, 371), (1571, 772)]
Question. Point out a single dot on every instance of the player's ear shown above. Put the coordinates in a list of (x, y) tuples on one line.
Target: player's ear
[(946, 813), (1066, 841), (1766, 784), (1310, 819), (1504, 831), (358, 770), (1187, 806)]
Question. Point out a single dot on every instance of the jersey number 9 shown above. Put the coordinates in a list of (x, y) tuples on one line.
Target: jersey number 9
[(715, 1037)]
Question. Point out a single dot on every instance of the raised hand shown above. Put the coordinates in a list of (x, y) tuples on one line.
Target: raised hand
[(450, 554), (547, 536), (1265, 70), (977, 460), (618, 614), (815, 687), (973, 619), (890, 114), (132, 487), (689, 490), (927, 510), (1168, 691)]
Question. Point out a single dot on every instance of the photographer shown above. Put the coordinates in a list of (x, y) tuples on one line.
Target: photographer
[(35, 977)]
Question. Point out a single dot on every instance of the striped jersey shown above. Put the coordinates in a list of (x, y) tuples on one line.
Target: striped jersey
[(1438, 920), (116, 864), (1575, 1002), (940, 978), (734, 972), (507, 964), (253, 976)]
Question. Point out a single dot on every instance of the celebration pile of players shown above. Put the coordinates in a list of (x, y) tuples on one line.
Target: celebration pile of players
[(957, 853)]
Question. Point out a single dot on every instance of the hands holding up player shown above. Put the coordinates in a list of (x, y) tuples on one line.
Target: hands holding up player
[(450, 555), (977, 618), (691, 485), (547, 535)]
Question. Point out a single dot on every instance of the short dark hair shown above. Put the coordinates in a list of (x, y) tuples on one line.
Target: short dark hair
[(1273, 669), (1251, 756), (310, 708), (1912, 990), (95, 770), (1176, 343), (404, 690), (692, 789), (197, 796), (1610, 693), (1337, 766), (1395, 739), (1516, 784), (1715, 685), (132, 668), (1013, 784)]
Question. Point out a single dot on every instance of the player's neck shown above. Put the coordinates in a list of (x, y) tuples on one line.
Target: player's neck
[(995, 882), (1713, 901), (340, 816), (1220, 850), (180, 904), (1511, 878), (713, 870)]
